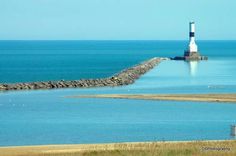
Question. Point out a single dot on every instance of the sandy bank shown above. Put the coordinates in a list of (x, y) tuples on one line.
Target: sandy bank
[(196, 147), (175, 97)]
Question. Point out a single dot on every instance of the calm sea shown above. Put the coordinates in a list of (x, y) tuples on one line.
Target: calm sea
[(24, 61), (47, 117)]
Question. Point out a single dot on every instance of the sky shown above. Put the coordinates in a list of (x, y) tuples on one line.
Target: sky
[(116, 19)]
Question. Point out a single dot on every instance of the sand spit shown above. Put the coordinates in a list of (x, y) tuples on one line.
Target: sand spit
[(175, 97)]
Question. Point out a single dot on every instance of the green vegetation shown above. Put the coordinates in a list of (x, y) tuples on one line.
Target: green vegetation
[(203, 148)]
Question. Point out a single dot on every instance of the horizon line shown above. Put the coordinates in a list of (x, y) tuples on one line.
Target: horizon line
[(114, 40)]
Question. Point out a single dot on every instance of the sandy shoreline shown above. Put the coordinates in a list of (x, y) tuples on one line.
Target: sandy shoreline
[(231, 98), (80, 148)]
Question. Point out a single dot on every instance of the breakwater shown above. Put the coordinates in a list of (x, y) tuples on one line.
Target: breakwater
[(125, 77)]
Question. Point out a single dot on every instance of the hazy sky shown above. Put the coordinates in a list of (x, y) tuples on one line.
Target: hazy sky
[(116, 19)]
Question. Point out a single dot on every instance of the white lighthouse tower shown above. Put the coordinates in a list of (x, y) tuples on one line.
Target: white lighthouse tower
[(192, 47), (192, 51)]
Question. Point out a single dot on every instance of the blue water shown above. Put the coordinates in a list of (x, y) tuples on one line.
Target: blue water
[(24, 61), (47, 117)]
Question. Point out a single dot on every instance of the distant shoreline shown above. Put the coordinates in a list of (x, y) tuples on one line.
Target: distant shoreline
[(195, 147), (230, 98)]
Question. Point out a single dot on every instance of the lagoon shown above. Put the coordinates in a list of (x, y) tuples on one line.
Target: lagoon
[(46, 117)]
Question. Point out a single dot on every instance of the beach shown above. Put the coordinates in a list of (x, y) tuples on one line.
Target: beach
[(231, 98), (212, 148)]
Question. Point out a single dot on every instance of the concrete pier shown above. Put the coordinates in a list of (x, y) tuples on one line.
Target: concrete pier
[(193, 56), (125, 77)]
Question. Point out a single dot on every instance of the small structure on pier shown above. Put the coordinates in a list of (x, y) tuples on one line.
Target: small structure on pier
[(233, 130), (192, 52)]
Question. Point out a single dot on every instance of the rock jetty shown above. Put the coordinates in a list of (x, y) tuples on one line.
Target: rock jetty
[(125, 77)]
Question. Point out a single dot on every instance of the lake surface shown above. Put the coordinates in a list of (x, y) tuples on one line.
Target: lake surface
[(47, 117), (24, 61)]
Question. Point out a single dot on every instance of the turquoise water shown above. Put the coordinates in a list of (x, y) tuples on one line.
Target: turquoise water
[(47, 117), (24, 61), (213, 76)]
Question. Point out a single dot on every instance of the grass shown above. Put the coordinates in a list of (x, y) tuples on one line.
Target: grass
[(199, 148)]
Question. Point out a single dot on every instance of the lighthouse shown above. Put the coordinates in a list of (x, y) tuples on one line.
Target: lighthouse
[(191, 52), (192, 47)]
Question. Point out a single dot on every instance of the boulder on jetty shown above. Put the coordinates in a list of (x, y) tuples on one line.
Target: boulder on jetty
[(125, 77)]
